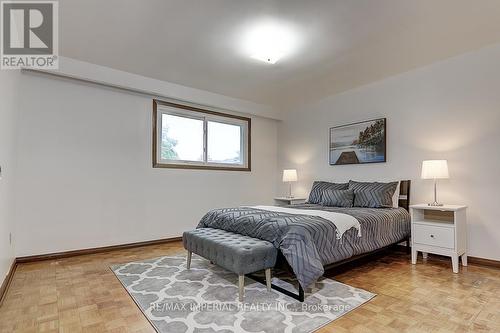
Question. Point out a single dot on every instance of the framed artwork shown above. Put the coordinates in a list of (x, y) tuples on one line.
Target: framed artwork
[(358, 143)]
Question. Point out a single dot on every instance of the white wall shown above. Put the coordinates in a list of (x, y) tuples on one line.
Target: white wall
[(449, 110), (8, 92), (116, 78), (84, 176)]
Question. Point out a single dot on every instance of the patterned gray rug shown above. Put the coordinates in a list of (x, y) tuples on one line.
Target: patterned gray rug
[(204, 299)]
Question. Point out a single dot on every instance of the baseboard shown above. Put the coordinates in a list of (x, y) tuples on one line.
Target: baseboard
[(484, 262), (73, 253), (475, 261), (6, 282)]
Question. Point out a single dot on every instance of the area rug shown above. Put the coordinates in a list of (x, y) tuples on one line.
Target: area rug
[(204, 299)]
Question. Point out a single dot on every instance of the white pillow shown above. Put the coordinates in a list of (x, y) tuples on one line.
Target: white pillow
[(395, 197)]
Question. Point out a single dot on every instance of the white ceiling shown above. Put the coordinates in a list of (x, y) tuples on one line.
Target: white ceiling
[(345, 43)]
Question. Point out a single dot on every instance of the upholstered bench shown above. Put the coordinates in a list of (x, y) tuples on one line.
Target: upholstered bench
[(237, 253)]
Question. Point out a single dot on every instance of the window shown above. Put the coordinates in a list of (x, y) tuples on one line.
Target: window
[(193, 138)]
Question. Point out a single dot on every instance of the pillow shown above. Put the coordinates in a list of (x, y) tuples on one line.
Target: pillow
[(337, 198), (318, 188), (373, 195)]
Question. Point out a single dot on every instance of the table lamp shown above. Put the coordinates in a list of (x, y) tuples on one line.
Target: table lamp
[(435, 169), (289, 176)]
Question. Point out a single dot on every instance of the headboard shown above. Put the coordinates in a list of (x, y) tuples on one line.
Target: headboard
[(404, 194)]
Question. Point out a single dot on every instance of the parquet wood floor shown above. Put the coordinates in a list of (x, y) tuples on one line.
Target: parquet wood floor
[(81, 294)]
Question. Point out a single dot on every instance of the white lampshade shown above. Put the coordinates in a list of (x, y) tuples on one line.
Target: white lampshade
[(290, 175), (435, 169)]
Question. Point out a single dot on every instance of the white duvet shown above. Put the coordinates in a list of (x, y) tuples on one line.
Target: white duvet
[(343, 222)]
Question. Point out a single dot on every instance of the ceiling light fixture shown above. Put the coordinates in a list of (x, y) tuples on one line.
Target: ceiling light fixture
[(269, 41)]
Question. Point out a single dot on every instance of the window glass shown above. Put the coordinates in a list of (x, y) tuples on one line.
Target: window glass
[(224, 143), (181, 138)]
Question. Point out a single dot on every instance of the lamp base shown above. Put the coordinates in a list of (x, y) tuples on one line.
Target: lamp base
[(435, 203)]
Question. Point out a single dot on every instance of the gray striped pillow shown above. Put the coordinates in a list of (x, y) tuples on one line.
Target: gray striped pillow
[(337, 198), (373, 195), (320, 186)]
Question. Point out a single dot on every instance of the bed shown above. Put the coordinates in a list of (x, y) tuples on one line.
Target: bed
[(310, 245)]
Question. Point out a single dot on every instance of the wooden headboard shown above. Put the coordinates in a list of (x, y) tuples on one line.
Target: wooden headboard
[(404, 194)]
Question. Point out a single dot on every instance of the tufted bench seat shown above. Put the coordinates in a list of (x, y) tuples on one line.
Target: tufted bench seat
[(237, 253)]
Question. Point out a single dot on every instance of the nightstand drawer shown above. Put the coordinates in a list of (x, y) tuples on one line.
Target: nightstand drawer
[(434, 236)]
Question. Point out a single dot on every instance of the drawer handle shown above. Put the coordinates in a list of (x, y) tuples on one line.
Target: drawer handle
[(432, 236)]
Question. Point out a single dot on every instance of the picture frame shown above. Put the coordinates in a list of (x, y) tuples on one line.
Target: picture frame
[(363, 142)]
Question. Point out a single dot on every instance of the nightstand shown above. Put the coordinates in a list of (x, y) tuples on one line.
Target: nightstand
[(439, 230), (284, 201)]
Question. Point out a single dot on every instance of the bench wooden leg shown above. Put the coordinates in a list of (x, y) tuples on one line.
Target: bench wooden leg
[(268, 279), (189, 259), (241, 287)]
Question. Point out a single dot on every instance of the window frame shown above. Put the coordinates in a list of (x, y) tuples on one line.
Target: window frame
[(206, 116)]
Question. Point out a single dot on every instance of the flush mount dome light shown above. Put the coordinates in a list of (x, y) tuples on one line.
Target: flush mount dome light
[(269, 41)]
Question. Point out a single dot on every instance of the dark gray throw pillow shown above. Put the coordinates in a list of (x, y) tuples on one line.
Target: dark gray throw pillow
[(337, 198), (373, 195), (320, 186)]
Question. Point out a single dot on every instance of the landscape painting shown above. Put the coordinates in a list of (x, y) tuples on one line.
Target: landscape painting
[(358, 143)]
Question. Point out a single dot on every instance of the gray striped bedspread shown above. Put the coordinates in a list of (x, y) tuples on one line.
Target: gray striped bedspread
[(309, 242)]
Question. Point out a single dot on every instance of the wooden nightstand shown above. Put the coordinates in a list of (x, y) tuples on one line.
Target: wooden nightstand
[(284, 201), (439, 230)]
